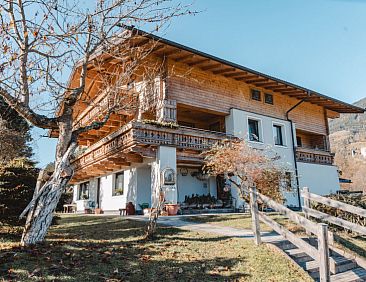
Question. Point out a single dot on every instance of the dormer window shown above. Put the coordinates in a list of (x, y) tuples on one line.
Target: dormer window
[(268, 98), (256, 95)]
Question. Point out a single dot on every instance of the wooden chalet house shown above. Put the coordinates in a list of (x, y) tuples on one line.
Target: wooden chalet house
[(203, 100)]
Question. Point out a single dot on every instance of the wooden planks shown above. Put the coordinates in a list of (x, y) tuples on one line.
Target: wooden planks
[(336, 220), (333, 203), (306, 247), (203, 89), (293, 216)]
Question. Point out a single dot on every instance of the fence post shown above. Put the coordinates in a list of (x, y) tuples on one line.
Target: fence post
[(255, 218), (306, 200), (323, 249), (306, 205)]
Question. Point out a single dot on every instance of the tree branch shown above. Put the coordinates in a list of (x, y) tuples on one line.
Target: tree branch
[(24, 110)]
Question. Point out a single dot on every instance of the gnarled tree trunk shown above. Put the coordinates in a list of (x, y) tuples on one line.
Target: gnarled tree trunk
[(46, 197)]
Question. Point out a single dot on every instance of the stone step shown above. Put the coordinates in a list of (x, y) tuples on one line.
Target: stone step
[(285, 245), (356, 274), (298, 255), (337, 265), (340, 264)]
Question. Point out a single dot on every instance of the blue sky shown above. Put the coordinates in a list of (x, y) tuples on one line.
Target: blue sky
[(318, 44)]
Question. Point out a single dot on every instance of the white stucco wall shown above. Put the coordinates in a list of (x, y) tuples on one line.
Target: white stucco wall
[(237, 124), (143, 186), (188, 185), (108, 202), (320, 179), (83, 204), (166, 157)]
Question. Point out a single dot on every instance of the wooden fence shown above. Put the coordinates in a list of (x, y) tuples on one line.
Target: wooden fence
[(309, 212), (320, 230)]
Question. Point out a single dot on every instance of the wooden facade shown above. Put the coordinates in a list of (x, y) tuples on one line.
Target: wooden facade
[(195, 95)]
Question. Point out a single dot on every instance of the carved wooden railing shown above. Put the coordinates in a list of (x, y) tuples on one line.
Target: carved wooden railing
[(135, 133), (314, 156)]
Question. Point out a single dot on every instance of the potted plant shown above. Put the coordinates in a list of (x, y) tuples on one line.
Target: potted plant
[(172, 209), (98, 211), (118, 192)]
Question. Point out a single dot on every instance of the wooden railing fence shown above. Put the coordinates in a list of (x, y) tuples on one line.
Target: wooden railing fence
[(320, 230), (309, 212)]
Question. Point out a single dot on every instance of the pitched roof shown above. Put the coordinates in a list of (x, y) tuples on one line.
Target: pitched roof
[(218, 66)]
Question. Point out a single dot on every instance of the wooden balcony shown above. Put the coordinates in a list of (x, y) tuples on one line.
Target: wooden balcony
[(137, 138), (314, 156)]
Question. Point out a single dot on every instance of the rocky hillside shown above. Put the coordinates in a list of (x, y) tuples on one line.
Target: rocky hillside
[(348, 142)]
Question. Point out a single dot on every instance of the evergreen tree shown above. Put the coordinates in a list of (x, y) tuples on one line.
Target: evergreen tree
[(14, 135), (18, 174)]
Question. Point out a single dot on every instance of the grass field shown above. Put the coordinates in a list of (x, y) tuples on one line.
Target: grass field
[(344, 240), (109, 248)]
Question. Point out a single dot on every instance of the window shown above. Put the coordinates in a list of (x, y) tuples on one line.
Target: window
[(288, 180), (215, 126), (254, 130), (278, 134), (256, 95), (299, 141), (268, 98), (84, 191), (118, 184)]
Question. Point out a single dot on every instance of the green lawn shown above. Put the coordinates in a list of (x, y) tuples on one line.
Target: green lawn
[(109, 248), (241, 221), (344, 240)]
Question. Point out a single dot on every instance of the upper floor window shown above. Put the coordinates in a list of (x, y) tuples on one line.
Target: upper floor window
[(278, 135), (84, 191), (299, 141), (256, 95), (118, 188), (254, 133), (268, 98)]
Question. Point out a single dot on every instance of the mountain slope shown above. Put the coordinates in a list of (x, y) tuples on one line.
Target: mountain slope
[(348, 142)]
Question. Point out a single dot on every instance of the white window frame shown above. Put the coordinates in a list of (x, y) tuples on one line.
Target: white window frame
[(114, 180), (260, 129), (283, 131), (79, 191)]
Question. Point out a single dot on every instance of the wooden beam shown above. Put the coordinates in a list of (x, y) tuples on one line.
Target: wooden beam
[(158, 47), (278, 88), (134, 158), (214, 66), (183, 58), (246, 77), (224, 70), (256, 80), (268, 83), (234, 74), (291, 90), (198, 62)]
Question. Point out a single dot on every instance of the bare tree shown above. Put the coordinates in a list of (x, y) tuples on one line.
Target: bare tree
[(41, 42), (246, 167)]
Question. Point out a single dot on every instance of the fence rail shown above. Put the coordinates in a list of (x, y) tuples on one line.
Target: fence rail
[(320, 254), (310, 197)]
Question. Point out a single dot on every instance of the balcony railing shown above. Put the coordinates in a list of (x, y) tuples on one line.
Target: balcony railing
[(314, 156), (135, 133)]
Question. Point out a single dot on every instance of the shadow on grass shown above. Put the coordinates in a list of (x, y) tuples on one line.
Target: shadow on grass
[(346, 242), (216, 218), (110, 248)]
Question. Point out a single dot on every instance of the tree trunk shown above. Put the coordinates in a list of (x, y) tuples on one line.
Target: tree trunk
[(45, 198)]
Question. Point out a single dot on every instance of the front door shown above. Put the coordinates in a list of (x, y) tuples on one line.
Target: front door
[(222, 195)]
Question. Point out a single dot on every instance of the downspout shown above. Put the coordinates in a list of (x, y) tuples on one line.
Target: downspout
[(294, 147)]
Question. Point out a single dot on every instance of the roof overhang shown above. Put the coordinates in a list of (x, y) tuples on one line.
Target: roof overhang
[(206, 62)]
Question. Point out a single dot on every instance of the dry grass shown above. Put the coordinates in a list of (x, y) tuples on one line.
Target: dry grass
[(106, 248), (344, 240)]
